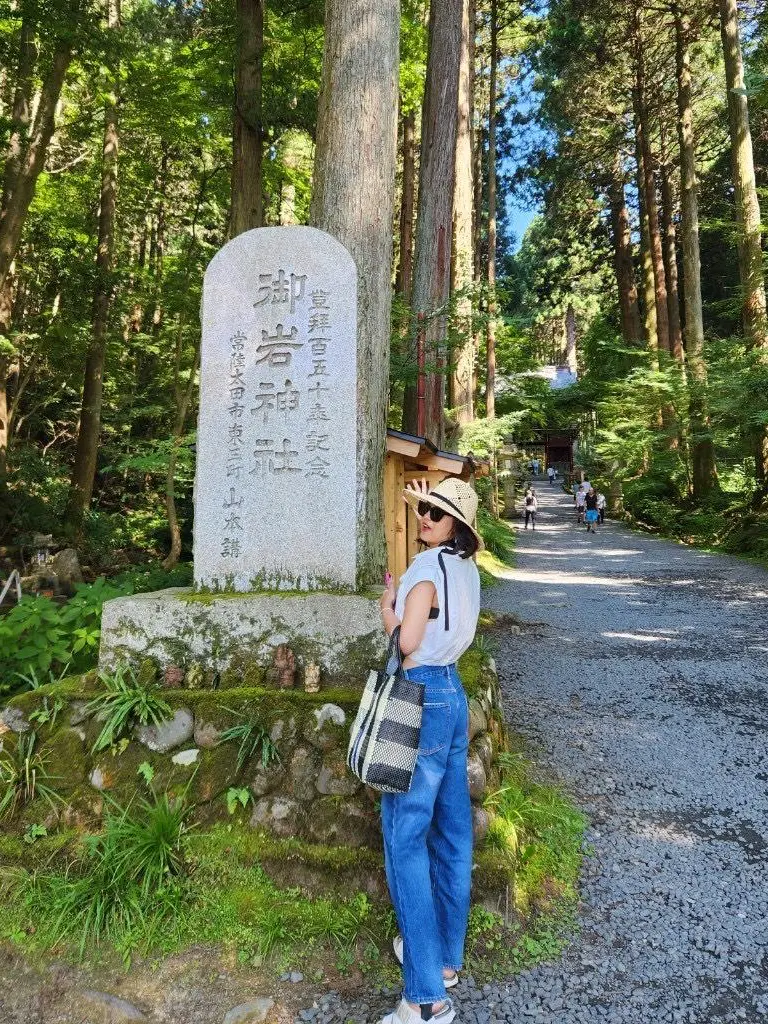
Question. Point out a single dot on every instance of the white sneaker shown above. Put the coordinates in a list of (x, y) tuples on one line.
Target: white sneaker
[(405, 1014), (397, 945)]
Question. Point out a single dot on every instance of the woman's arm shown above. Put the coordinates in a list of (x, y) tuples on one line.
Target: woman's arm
[(415, 615)]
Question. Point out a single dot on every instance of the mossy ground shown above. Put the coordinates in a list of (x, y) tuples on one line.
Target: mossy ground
[(272, 903)]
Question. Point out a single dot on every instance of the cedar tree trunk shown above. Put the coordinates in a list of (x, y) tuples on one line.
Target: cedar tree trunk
[(354, 197)]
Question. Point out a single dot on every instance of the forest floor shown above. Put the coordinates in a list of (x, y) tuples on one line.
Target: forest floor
[(644, 690)]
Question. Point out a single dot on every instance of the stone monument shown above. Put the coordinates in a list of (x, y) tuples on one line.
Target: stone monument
[(275, 552), (275, 487)]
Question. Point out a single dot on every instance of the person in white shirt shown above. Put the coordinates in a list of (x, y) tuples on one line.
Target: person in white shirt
[(601, 506), (551, 474), (428, 830), (581, 500), (536, 465)]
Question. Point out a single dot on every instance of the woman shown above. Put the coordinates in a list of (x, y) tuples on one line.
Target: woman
[(531, 507), (428, 831), (591, 516)]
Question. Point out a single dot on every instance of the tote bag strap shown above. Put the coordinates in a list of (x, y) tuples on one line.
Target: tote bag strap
[(394, 648)]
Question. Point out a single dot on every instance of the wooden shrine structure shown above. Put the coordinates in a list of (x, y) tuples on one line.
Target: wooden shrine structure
[(408, 458)]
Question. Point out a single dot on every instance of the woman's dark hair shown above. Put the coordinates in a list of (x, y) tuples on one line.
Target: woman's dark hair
[(464, 540)]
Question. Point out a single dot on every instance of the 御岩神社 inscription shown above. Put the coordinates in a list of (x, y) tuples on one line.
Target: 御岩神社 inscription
[(275, 485)]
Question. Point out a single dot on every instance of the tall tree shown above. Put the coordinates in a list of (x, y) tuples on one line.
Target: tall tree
[(247, 127), (648, 281), (462, 380), (747, 211), (646, 178), (84, 469), (631, 327), (404, 278), (437, 165), (669, 241), (25, 157), (354, 194), (490, 334), (703, 456), (29, 165)]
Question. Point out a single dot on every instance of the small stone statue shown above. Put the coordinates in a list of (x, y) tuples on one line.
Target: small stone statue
[(195, 677), (312, 677), (173, 677), (283, 671)]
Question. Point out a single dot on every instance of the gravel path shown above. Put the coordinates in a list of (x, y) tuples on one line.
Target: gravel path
[(645, 692)]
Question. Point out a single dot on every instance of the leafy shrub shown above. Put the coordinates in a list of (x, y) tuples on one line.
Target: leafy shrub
[(23, 776), (40, 635), (124, 703), (497, 536), (143, 578), (129, 882)]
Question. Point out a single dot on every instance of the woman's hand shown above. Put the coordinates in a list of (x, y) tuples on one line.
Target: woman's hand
[(387, 599), (420, 487)]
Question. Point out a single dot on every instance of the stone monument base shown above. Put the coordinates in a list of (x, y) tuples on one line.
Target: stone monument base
[(324, 639)]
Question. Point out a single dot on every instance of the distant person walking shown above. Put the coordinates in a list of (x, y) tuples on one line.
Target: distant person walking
[(551, 474), (531, 506), (591, 514), (601, 506), (581, 497)]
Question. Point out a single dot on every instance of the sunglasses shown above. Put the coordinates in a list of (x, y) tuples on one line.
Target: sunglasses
[(435, 514)]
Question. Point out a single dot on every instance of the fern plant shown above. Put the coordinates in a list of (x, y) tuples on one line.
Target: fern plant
[(126, 702)]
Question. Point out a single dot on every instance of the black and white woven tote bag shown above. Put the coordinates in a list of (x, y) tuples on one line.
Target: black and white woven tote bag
[(384, 742)]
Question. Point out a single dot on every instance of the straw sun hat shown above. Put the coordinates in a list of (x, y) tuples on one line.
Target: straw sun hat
[(453, 496)]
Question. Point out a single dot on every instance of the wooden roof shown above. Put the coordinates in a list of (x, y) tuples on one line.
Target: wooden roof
[(423, 452)]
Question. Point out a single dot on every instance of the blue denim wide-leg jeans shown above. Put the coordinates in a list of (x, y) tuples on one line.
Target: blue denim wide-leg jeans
[(428, 840)]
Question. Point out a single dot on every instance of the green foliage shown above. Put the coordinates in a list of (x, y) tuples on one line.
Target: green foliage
[(539, 830), (125, 702), (39, 634), (496, 534), (24, 776), (48, 711), (41, 638), (146, 772), (253, 739), (237, 795), (125, 887), (34, 832)]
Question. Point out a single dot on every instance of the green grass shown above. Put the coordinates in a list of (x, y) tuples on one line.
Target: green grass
[(252, 738), (24, 776), (125, 887), (147, 883), (499, 541), (125, 701)]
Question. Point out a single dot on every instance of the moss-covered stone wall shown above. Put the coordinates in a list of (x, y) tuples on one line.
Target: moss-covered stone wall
[(291, 773)]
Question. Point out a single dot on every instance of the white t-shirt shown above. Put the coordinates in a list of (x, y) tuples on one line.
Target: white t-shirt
[(441, 646), (601, 501), (581, 497)]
